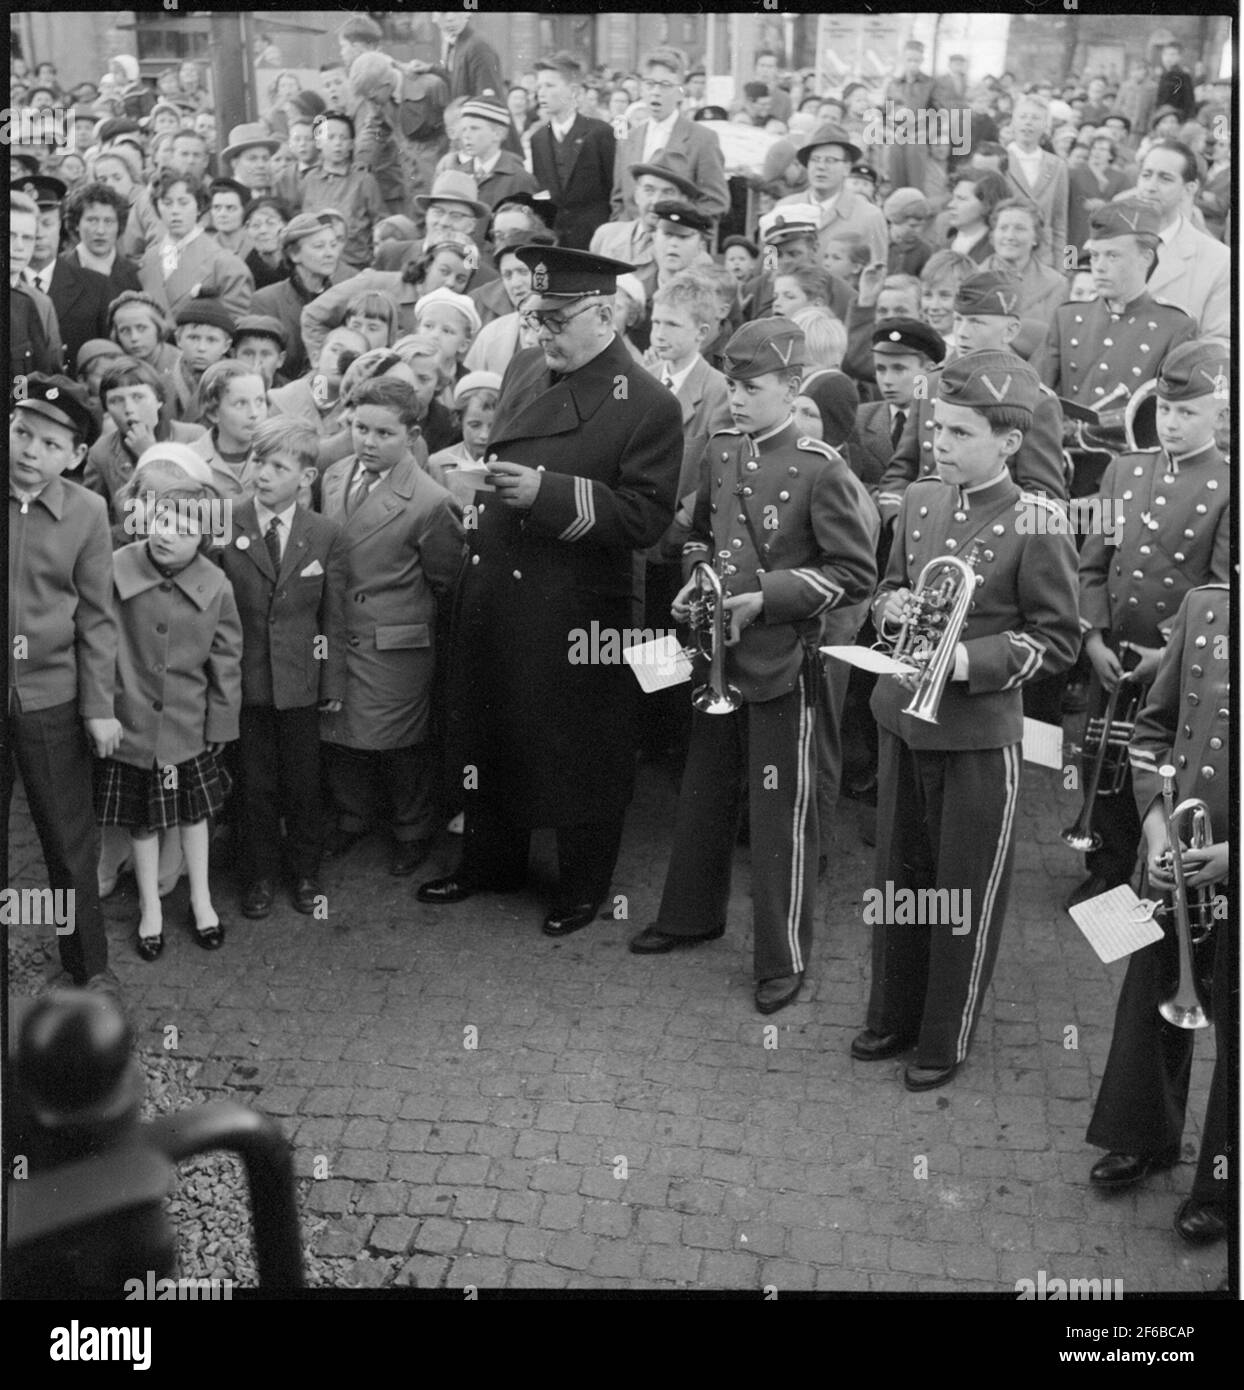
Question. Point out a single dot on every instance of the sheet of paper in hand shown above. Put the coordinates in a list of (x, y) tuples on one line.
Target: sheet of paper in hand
[(1117, 923), (659, 663)]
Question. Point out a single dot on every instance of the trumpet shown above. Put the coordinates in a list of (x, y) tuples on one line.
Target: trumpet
[(1104, 760), (708, 632), (1184, 1008), (930, 631)]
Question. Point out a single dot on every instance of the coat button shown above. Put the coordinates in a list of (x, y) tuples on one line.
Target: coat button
[(793, 471), (747, 492), (915, 535), (1209, 617), (752, 465), (924, 511), (161, 628), (742, 519), (1212, 485), (999, 530), (1180, 557), (783, 496), (1146, 550), (1138, 574), (1215, 743), (961, 516), (989, 555), (1224, 714), (1160, 606), (927, 445), (1201, 642), (1197, 670), (157, 705), (738, 544), (952, 544), (1133, 602), (1207, 773), (1187, 731), (712, 506), (1183, 762), (475, 559), (1127, 496), (1138, 471), (1168, 582), (1192, 697), (518, 574), (1201, 509)]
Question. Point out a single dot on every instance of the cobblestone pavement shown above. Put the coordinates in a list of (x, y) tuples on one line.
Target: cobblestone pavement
[(472, 1103)]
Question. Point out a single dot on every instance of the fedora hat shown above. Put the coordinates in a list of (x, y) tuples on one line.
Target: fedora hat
[(453, 186), (248, 137)]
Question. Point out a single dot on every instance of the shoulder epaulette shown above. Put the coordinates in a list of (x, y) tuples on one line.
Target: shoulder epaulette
[(817, 446), (1039, 499), (1169, 304), (1049, 390)]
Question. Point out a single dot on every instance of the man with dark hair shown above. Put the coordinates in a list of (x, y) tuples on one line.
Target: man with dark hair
[(684, 144), (468, 63), (34, 334), (1194, 269), (1176, 85), (572, 157)]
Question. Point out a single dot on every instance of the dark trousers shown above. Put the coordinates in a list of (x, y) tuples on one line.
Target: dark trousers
[(945, 820), (1144, 1091), (52, 753), (400, 781), (495, 853), (666, 721), (279, 775), (770, 748)]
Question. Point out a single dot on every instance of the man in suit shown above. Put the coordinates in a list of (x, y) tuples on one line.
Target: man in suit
[(686, 144), (1039, 177), (584, 452), (34, 334), (403, 543), (1176, 86), (828, 158), (1194, 269), (572, 156), (904, 350), (659, 181), (469, 63)]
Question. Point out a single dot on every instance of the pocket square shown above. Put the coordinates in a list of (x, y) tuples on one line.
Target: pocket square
[(311, 570)]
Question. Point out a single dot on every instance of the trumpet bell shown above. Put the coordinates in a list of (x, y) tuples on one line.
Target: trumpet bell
[(1082, 841), (1183, 1015), (710, 701)]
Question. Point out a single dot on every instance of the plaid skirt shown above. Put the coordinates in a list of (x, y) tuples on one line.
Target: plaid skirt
[(141, 798)]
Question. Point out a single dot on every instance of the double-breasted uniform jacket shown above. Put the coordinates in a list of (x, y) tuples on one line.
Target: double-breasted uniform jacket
[(1186, 718), (287, 616), (809, 548), (403, 548), (204, 270), (582, 197), (179, 663), (1037, 466), (692, 149), (1022, 622), (1171, 531), (552, 739), (1089, 350)]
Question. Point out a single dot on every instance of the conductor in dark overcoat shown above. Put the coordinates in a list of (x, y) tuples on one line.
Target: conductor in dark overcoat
[(584, 453)]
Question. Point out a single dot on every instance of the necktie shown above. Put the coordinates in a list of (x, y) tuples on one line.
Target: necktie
[(358, 490), (896, 427), (272, 539), (667, 378)]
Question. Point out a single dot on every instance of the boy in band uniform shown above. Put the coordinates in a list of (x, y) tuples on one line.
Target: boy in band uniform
[(1170, 530), (786, 524), (947, 791)]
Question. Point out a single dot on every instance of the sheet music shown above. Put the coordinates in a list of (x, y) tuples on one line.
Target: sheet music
[(1043, 744), (1116, 923), (658, 664), (868, 660)]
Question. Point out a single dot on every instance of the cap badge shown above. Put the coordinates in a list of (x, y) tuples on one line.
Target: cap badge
[(540, 278), (51, 393), (1218, 381), (895, 336), (999, 394), (784, 356), (1007, 299), (1130, 219)]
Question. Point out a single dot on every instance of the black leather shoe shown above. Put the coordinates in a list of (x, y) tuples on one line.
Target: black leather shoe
[(1117, 1171), (444, 890), (927, 1078), (149, 947), (210, 938), (772, 995), (258, 898), (876, 1047), (306, 893), (561, 921), (1200, 1223), (341, 842), (1092, 887), (407, 856), (653, 942)]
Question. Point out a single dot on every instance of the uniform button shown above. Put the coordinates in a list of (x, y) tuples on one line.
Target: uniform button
[(752, 465), (1192, 697), (518, 574), (1104, 367), (1224, 714), (738, 544), (1135, 371), (915, 535), (1197, 670), (1137, 471), (719, 480), (1075, 342), (1079, 319), (1107, 342), (712, 506), (783, 496), (924, 511), (1179, 557), (742, 519), (1201, 509), (1159, 501), (1146, 550), (1209, 617), (793, 471), (1160, 606), (1144, 347), (1212, 485), (927, 445), (980, 580), (1183, 762), (910, 559), (747, 492), (1207, 773), (157, 705), (961, 516), (1215, 743), (952, 544), (1133, 602), (1138, 574), (1072, 365), (1127, 496), (1100, 390), (161, 628), (1201, 642), (999, 530), (989, 555), (1168, 582), (1189, 534), (1168, 479), (475, 559), (1187, 731)]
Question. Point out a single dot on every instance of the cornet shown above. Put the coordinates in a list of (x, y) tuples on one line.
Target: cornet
[(930, 631), (1104, 760), (1184, 1008), (708, 639)]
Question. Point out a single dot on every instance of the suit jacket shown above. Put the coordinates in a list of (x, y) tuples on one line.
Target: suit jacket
[(871, 448), (1194, 272), (851, 212), (583, 200), (203, 271), (474, 67), (627, 241), (403, 550), (293, 623), (692, 149), (1050, 194), (179, 680), (80, 298)]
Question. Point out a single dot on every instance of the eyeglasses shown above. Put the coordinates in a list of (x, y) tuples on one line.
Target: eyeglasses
[(649, 85), (820, 161), (555, 321)]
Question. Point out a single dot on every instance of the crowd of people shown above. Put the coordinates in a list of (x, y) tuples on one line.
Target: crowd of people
[(379, 401)]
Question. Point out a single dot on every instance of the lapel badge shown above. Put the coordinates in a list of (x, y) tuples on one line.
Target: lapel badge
[(243, 542)]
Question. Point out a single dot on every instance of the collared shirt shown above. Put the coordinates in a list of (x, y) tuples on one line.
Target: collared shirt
[(657, 135), (26, 498), (41, 279), (355, 194), (481, 168), (284, 521), (170, 251), (561, 129), (1029, 163), (1170, 233), (674, 380)]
